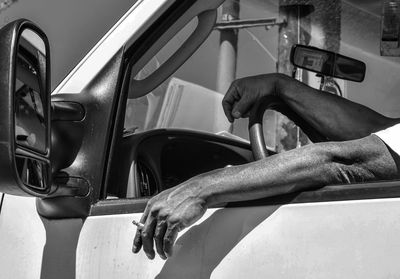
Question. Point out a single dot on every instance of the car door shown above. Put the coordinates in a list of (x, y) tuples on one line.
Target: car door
[(334, 232), (56, 225), (143, 132), (147, 17), (22, 238)]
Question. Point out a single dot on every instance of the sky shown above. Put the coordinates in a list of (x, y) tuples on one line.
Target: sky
[(73, 27)]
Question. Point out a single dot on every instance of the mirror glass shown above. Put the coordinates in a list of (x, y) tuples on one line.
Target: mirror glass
[(327, 63), (30, 93), (313, 60), (32, 173), (348, 68)]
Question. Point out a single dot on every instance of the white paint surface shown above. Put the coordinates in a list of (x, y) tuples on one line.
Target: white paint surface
[(356, 239), (22, 238)]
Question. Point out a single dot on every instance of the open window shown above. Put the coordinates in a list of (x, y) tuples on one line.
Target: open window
[(172, 85), (184, 99)]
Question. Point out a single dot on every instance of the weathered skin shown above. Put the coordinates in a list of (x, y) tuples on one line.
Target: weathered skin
[(353, 155)]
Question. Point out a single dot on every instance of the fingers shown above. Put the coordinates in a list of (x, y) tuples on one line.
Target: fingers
[(169, 239), (164, 234), (147, 234), (159, 238), (243, 107), (156, 230), (137, 241), (238, 101), (231, 97), (227, 110)]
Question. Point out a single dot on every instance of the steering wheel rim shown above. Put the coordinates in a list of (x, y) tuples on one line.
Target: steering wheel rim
[(256, 134)]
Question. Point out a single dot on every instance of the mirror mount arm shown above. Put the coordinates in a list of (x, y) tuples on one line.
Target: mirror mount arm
[(67, 111), (70, 191), (69, 187)]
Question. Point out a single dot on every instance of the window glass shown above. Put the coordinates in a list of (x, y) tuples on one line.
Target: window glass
[(191, 97)]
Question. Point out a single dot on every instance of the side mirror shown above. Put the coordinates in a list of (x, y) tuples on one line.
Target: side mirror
[(24, 110), (327, 63)]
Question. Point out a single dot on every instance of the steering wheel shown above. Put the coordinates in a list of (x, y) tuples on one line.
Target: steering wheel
[(256, 128)]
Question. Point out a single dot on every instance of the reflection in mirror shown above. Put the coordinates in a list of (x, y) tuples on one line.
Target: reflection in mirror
[(347, 68), (32, 173), (310, 59), (30, 93), (327, 63)]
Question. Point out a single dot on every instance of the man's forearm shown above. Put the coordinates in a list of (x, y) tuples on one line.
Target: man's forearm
[(309, 167), (332, 116)]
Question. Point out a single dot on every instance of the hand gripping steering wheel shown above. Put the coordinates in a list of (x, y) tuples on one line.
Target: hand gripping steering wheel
[(256, 128)]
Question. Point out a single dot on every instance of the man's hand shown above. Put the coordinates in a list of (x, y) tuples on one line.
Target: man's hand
[(244, 93), (165, 215), (177, 208)]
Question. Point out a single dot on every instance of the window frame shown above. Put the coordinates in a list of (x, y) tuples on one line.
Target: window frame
[(332, 193), (131, 56)]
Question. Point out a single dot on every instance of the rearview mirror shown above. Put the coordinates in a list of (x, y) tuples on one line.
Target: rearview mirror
[(24, 110), (327, 63)]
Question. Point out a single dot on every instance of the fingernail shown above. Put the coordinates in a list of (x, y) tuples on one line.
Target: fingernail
[(236, 114), (163, 257), (134, 249), (150, 256)]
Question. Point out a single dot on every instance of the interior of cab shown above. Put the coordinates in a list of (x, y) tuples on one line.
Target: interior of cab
[(178, 129)]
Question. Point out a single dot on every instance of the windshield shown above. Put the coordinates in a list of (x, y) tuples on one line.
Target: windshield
[(254, 37)]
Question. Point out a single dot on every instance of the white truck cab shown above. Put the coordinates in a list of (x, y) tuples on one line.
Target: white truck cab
[(141, 113)]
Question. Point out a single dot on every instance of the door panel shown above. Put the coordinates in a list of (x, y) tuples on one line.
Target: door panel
[(22, 238), (105, 249), (356, 239), (310, 240), (33, 248)]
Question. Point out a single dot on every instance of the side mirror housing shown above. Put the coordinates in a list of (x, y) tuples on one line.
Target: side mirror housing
[(327, 63), (24, 110)]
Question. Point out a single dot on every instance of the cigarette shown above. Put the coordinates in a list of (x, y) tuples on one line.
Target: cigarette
[(139, 225)]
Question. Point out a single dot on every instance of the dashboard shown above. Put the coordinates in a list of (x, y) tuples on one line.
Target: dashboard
[(153, 161)]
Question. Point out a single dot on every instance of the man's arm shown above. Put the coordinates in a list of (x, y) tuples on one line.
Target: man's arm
[(332, 116), (312, 166), (365, 159)]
